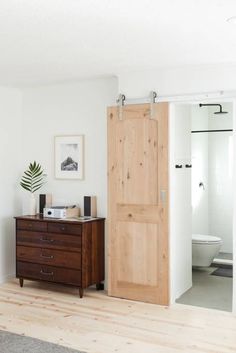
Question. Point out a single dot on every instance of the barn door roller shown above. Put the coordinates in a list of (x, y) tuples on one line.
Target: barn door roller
[(153, 96), (150, 99), (120, 102)]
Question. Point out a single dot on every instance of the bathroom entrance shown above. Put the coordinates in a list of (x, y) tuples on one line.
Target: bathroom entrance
[(202, 162)]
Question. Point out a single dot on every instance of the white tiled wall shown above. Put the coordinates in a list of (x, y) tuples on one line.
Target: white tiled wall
[(200, 202), (220, 178), (212, 164)]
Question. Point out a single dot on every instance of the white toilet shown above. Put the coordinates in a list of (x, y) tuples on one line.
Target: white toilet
[(204, 249)]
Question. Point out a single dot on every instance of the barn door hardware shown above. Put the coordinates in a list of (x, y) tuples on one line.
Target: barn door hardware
[(153, 96), (120, 102), (163, 196)]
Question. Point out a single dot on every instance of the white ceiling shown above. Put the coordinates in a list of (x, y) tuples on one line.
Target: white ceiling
[(46, 41)]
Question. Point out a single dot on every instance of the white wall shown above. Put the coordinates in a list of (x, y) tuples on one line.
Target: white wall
[(180, 200), (200, 219), (70, 109), (10, 151), (220, 177)]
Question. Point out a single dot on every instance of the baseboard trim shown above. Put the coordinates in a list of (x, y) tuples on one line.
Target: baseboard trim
[(7, 278), (222, 262)]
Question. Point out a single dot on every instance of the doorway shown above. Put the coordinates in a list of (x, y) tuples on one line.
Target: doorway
[(202, 203)]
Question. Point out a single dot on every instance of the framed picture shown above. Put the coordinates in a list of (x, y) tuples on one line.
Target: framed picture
[(69, 157)]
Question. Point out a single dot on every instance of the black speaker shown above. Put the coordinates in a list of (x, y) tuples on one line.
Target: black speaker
[(45, 200), (90, 206)]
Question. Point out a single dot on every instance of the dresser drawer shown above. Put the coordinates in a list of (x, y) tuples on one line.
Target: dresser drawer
[(48, 273), (49, 257), (49, 240), (65, 228), (32, 225)]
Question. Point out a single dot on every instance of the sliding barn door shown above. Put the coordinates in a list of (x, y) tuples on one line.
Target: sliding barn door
[(138, 202)]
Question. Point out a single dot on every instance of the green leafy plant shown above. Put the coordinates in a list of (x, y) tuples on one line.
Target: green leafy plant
[(33, 178)]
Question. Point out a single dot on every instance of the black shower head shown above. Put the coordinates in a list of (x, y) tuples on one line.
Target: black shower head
[(214, 105), (221, 111)]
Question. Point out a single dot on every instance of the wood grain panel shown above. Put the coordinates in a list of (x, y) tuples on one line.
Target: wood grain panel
[(31, 225), (48, 273), (137, 248), (136, 161), (135, 111), (137, 213), (49, 257), (98, 252), (93, 253), (64, 228), (138, 203), (161, 111), (49, 240)]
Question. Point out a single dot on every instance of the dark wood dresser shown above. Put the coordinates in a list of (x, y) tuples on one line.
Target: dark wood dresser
[(68, 252)]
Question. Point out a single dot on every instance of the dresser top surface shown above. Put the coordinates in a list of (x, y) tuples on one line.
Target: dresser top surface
[(72, 220)]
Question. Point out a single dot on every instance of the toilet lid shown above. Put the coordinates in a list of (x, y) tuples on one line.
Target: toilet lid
[(202, 238)]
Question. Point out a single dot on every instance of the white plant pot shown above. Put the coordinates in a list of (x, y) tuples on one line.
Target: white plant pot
[(32, 205)]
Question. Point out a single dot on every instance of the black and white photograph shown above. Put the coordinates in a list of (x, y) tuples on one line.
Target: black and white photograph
[(69, 157)]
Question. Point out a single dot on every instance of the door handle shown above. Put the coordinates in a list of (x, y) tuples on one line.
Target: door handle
[(46, 273), (178, 166), (47, 240), (188, 165), (47, 256), (163, 196)]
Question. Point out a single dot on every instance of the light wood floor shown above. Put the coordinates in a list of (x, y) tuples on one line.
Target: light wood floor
[(101, 324)]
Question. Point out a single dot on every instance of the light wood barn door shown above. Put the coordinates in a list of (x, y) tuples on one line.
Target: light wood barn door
[(138, 203)]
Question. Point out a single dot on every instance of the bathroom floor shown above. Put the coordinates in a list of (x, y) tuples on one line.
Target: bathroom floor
[(208, 291)]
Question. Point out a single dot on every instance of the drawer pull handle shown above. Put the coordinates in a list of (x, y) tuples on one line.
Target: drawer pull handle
[(47, 240), (47, 256), (46, 273), (63, 228)]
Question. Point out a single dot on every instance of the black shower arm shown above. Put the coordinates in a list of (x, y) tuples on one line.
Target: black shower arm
[(210, 105)]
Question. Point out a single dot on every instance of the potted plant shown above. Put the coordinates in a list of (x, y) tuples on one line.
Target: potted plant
[(32, 180)]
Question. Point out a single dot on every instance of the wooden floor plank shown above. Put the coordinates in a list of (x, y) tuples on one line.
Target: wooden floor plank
[(101, 324)]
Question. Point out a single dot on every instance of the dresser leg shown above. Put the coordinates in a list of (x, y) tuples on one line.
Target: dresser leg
[(21, 282), (81, 292), (99, 286)]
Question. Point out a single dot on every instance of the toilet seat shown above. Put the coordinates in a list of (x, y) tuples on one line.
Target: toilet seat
[(205, 239)]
